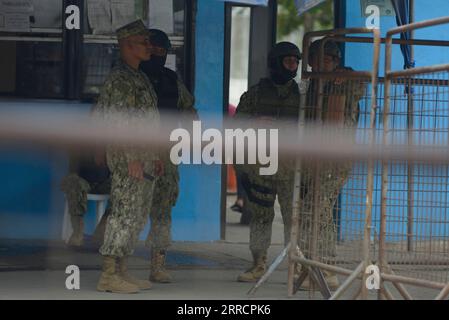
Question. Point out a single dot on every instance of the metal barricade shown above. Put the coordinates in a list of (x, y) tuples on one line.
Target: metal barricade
[(414, 226), (393, 215), (334, 236)]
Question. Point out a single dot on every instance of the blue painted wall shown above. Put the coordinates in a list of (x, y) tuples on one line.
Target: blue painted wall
[(197, 214), (356, 54), (359, 57), (31, 204)]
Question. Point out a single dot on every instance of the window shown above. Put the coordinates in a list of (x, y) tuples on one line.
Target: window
[(239, 60), (39, 59), (100, 50), (31, 46)]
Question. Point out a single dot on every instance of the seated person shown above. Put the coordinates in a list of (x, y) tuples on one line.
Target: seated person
[(87, 174)]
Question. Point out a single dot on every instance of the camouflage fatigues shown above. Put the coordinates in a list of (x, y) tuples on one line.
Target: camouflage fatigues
[(165, 195), (281, 103), (76, 189), (129, 93), (332, 175), (166, 190), (77, 184)]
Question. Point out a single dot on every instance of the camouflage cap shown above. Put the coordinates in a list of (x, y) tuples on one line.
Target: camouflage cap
[(131, 29), (330, 48)]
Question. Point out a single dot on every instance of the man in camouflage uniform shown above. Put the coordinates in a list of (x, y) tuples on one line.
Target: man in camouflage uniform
[(340, 108), (173, 100), (87, 174), (127, 93), (274, 102)]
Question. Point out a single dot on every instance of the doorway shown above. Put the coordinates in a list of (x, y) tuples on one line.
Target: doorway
[(250, 33)]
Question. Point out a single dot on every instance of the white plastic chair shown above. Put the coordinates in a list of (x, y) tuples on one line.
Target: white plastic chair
[(100, 208)]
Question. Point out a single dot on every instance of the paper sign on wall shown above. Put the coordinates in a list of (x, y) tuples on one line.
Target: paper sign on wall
[(15, 15), (106, 16), (171, 62), (161, 15), (385, 7), (17, 22), (47, 14), (16, 6), (123, 12), (99, 15)]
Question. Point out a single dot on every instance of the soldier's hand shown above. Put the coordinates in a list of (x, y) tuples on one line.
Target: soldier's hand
[(158, 168), (339, 81), (135, 169)]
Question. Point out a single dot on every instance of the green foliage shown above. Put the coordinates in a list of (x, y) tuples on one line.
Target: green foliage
[(320, 17)]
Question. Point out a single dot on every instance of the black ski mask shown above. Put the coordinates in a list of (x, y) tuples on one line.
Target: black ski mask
[(278, 73), (164, 80), (156, 63)]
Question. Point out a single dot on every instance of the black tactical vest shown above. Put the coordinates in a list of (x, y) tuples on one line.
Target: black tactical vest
[(166, 87)]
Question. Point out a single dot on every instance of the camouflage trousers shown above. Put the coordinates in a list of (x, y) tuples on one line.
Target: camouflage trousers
[(262, 214), (76, 190), (332, 178), (166, 193), (131, 204)]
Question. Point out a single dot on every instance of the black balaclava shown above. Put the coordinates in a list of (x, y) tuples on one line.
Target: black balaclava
[(164, 80), (156, 63), (278, 73)]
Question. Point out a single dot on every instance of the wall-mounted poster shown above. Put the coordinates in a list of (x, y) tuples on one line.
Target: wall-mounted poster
[(161, 15), (123, 12), (99, 15), (17, 22), (106, 16), (47, 14), (15, 15), (171, 62), (385, 7), (16, 6), (21, 15)]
